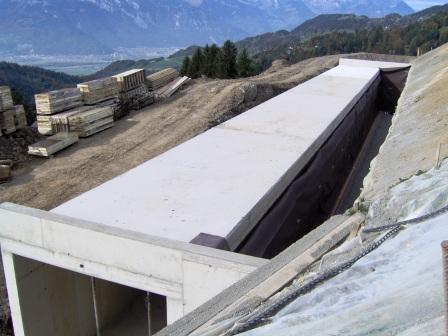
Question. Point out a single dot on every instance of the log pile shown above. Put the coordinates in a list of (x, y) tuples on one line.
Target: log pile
[(99, 90), (53, 144), (5, 98), (161, 78), (87, 123), (130, 80), (57, 101)]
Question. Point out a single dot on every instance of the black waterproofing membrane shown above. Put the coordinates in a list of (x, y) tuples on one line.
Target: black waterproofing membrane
[(312, 195)]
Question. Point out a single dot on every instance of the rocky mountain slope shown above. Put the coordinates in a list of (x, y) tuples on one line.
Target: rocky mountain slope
[(100, 26)]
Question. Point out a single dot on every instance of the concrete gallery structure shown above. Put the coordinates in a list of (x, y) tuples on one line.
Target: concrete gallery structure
[(151, 245)]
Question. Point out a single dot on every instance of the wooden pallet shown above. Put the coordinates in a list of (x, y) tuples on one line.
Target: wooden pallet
[(99, 90), (57, 101), (6, 102), (161, 78), (130, 79), (53, 144)]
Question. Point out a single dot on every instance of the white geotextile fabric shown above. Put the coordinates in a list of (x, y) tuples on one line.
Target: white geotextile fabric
[(395, 290)]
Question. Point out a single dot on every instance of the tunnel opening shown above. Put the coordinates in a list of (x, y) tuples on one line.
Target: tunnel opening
[(330, 183), (57, 301)]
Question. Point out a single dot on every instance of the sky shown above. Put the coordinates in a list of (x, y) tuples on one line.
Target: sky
[(422, 4)]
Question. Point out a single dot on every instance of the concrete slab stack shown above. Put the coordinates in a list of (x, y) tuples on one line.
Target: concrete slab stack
[(99, 90), (57, 101), (161, 78)]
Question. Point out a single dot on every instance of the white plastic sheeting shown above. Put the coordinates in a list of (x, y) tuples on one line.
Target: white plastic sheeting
[(395, 290)]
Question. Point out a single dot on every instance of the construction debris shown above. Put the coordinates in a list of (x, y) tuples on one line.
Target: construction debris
[(130, 79), (161, 78), (99, 90), (5, 98), (57, 101), (53, 144), (92, 121)]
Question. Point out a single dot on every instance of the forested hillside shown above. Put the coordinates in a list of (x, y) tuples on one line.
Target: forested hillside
[(424, 36)]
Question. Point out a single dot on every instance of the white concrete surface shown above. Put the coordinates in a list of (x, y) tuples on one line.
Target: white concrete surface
[(373, 64), (136, 260), (223, 181)]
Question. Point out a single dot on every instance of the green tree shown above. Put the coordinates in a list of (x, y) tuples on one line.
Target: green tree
[(245, 65), (214, 67), (196, 65), (227, 61), (185, 69)]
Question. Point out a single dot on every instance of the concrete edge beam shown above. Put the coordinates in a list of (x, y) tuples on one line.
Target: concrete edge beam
[(313, 245)]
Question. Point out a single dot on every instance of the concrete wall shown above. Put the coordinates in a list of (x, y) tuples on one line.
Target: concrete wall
[(53, 301), (186, 274)]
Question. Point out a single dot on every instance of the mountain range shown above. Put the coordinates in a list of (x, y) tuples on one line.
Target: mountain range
[(50, 27)]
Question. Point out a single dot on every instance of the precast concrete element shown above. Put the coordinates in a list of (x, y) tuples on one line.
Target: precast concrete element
[(187, 275), (223, 181)]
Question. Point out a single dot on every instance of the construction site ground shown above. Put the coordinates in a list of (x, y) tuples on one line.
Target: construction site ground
[(203, 103)]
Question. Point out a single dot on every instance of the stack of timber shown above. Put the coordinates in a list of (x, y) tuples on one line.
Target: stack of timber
[(99, 90), (53, 144), (133, 93), (173, 87), (87, 123), (19, 117), (161, 78), (44, 125), (57, 101), (143, 101), (130, 80), (119, 109), (5, 98), (7, 123), (60, 122), (52, 124)]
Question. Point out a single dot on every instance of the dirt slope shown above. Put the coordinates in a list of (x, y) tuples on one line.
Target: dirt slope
[(46, 183)]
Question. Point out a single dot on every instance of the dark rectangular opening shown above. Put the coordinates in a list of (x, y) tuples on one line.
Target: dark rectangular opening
[(56, 301)]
